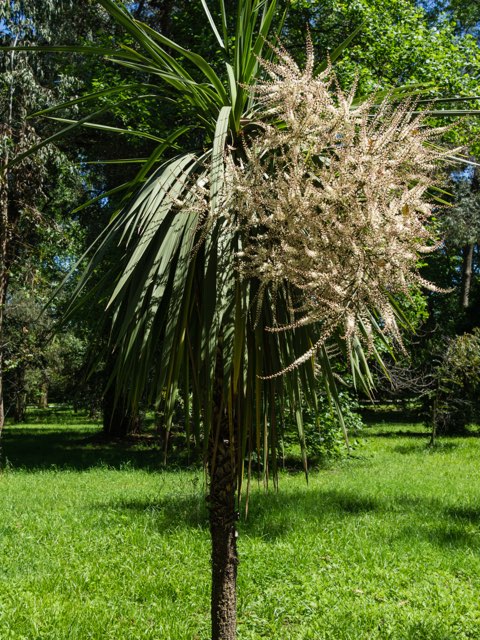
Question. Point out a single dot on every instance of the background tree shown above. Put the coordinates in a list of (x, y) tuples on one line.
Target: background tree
[(455, 402), (466, 14), (28, 83), (461, 226), (36, 360)]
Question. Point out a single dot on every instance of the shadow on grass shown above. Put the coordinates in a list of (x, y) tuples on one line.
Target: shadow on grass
[(270, 516), (81, 446), (374, 432), (448, 534), (411, 448), (274, 516), (425, 447), (78, 448), (467, 514), (380, 431), (169, 513)]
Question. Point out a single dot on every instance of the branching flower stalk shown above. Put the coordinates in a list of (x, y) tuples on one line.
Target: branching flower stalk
[(330, 199)]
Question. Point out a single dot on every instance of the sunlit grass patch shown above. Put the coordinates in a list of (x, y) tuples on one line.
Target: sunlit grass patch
[(99, 545)]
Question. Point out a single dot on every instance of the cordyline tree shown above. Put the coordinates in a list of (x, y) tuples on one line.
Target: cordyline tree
[(243, 261)]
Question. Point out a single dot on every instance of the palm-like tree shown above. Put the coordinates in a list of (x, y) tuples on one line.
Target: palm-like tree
[(182, 319)]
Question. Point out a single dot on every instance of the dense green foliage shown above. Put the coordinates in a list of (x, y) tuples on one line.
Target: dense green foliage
[(398, 43), (456, 395)]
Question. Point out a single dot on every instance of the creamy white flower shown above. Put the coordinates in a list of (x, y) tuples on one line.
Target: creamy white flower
[(350, 182)]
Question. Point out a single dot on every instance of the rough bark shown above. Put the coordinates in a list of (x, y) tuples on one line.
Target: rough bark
[(20, 408), (223, 517), (43, 397), (467, 274), (2, 411), (224, 547)]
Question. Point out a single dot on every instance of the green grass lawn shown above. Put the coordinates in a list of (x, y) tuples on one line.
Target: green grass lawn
[(99, 542)]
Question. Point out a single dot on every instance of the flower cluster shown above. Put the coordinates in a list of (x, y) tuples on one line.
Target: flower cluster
[(331, 199)]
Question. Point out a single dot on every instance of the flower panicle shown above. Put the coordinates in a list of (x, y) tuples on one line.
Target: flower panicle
[(343, 213), (334, 202)]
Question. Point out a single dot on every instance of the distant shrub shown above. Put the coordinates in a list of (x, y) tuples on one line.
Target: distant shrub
[(324, 437), (456, 401)]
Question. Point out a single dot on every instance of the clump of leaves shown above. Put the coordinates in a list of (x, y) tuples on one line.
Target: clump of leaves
[(457, 395), (323, 435)]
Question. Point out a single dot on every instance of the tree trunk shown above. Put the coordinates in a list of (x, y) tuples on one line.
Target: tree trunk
[(118, 419), (467, 273), (20, 406), (43, 397), (19, 394), (223, 516), (224, 546), (2, 410), (3, 287), (434, 414)]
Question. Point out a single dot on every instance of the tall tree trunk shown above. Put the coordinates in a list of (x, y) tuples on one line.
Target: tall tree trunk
[(43, 397), (223, 516), (20, 396), (2, 409), (467, 273), (3, 287), (434, 418)]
